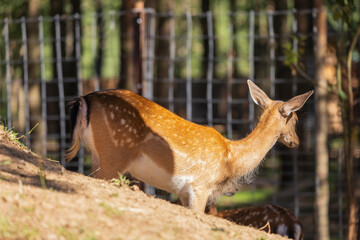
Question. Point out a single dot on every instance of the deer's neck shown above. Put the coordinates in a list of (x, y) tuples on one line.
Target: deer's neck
[(249, 152)]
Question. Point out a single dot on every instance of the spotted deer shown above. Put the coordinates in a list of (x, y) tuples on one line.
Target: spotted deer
[(128, 133), (273, 218)]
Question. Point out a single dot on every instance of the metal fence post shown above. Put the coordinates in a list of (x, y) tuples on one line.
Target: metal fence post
[(139, 23), (229, 82), (77, 18), (61, 90), (188, 67), (93, 49), (8, 73), (272, 53), (251, 66), (171, 65), (43, 86), (295, 152), (26, 80), (210, 70), (149, 44)]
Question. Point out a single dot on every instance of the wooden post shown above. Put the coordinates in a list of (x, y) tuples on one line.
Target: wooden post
[(139, 40)]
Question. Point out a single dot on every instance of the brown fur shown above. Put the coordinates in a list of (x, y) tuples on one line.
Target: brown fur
[(126, 132), (281, 220)]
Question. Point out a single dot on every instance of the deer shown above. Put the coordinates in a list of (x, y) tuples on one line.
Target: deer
[(126, 133), (273, 218)]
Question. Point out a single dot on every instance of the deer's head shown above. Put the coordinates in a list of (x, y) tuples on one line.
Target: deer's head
[(283, 114)]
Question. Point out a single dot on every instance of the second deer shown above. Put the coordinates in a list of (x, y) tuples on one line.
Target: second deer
[(128, 133), (273, 218)]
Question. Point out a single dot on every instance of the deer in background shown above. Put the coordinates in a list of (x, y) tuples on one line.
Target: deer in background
[(274, 218), (128, 133)]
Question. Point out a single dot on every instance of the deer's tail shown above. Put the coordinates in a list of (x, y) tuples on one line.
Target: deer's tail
[(78, 116)]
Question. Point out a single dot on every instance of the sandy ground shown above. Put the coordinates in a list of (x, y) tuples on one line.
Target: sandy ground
[(68, 205)]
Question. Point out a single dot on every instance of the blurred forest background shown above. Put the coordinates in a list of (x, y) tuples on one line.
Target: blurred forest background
[(194, 57)]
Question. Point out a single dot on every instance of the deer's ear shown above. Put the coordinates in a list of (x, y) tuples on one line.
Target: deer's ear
[(294, 104), (258, 95)]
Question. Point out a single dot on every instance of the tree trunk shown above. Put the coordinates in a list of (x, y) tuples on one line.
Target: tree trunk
[(322, 156)]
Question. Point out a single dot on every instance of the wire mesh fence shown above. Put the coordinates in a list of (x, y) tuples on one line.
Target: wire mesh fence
[(194, 65)]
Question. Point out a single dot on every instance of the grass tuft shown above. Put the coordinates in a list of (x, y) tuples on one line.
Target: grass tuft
[(14, 136), (121, 181)]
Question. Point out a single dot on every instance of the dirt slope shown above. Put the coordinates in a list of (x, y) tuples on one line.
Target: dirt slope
[(73, 206)]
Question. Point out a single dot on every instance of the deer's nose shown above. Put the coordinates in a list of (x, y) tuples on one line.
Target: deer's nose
[(294, 144)]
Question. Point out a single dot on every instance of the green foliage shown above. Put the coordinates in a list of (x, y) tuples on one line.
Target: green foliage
[(14, 136), (345, 10), (12, 8), (344, 17), (291, 56), (244, 197)]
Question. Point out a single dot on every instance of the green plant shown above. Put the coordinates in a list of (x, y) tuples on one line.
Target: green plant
[(262, 238), (121, 181), (14, 136)]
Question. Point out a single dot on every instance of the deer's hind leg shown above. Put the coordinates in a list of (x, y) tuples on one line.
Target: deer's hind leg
[(112, 163)]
